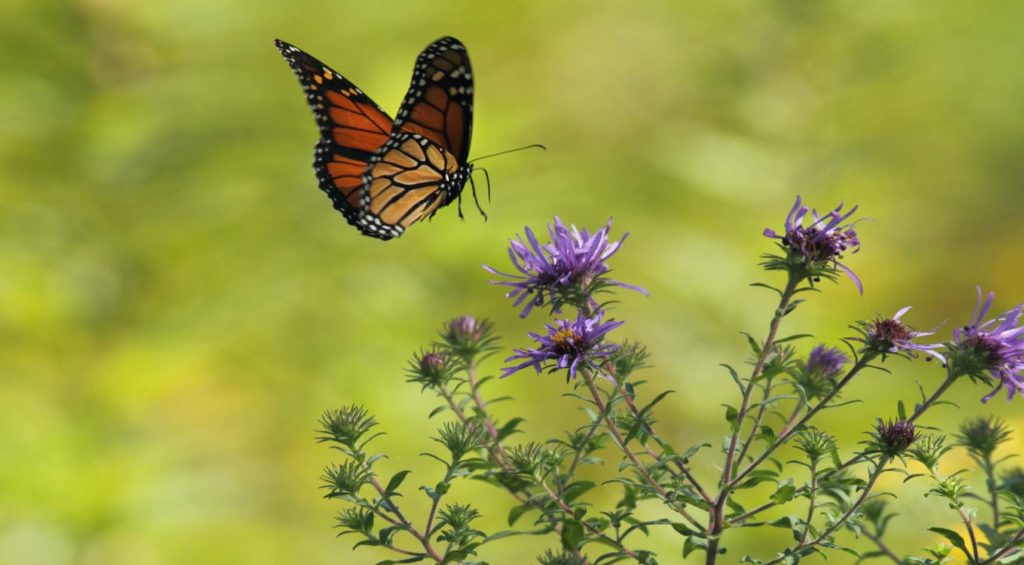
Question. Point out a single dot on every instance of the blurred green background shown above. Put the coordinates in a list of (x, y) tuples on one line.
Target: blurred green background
[(178, 301)]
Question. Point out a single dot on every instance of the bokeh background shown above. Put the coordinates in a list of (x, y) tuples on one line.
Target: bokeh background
[(178, 301)]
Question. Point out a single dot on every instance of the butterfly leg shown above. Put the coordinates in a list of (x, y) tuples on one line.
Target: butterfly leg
[(476, 201)]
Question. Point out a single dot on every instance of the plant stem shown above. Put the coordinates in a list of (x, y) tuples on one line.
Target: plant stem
[(882, 462), (792, 427), (1006, 549), (882, 547), (753, 512), (970, 533), (406, 524), (990, 484), (811, 501), (569, 512), (577, 453), (603, 408), (769, 342), (683, 470), (481, 405), (757, 421), (497, 452), (717, 518)]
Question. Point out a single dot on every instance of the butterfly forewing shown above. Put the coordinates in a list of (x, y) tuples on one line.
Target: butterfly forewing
[(352, 128), (439, 104)]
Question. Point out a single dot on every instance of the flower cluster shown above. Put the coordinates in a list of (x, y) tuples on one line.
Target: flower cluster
[(571, 269), (779, 399)]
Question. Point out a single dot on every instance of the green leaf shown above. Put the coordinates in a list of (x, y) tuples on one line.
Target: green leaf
[(455, 556), (433, 413), (793, 337), (693, 543), (508, 428), (572, 534), (784, 493), (954, 538), (754, 345), (395, 482), (735, 377), (413, 559), (731, 415), (901, 410), (683, 529), (515, 513), (575, 490)]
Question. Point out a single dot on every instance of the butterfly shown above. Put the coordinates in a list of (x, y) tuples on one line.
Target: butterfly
[(384, 175)]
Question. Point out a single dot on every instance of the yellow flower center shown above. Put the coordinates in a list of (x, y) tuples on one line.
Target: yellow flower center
[(566, 340)]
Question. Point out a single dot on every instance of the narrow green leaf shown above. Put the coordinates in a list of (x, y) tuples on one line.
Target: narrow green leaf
[(395, 481), (572, 534), (954, 538)]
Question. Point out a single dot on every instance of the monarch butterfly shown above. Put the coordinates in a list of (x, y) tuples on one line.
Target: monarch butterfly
[(385, 175)]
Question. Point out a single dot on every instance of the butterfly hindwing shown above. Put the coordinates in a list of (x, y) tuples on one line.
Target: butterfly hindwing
[(439, 104), (406, 181), (352, 128)]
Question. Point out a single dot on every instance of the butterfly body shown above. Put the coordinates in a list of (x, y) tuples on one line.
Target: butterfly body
[(385, 175)]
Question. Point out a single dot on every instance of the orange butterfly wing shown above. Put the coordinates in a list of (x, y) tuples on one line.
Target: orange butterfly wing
[(352, 128), (439, 104)]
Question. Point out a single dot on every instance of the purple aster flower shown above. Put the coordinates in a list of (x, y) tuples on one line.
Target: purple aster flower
[(890, 335), (567, 269), (821, 243), (826, 361), (567, 345), (993, 348)]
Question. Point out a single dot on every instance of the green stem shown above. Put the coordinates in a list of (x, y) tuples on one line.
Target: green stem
[(569, 512), (970, 533), (792, 427), (496, 451), (1006, 549), (577, 454), (990, 484), (682, 469), (406, 524), (716, 520), (605, 411), (757, 421), (882, 462), (882, 547), (811, 501)]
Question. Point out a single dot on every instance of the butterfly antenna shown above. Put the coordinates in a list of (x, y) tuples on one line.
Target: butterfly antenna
[(476, 201), (535, 145)]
